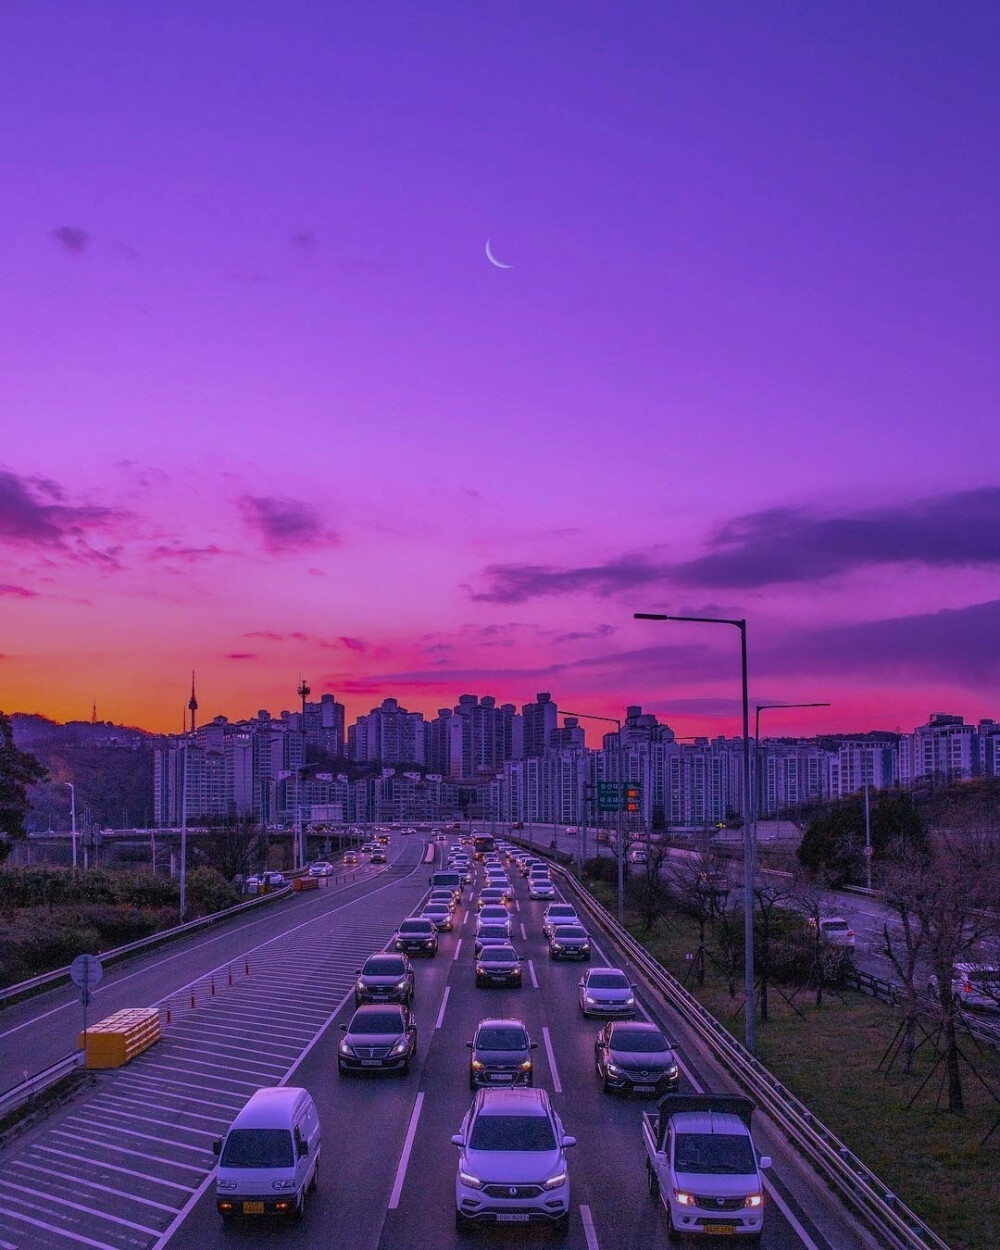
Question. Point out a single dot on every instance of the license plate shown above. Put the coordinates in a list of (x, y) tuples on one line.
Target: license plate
[(501, 1078), (371, 1063), (253, 1208), (719, 1230), (512, 1217), (644, 1089)]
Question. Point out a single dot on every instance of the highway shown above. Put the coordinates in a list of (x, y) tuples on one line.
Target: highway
[(129, 1164)]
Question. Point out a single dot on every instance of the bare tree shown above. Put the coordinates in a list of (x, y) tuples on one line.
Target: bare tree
[(771, 892), (901, 880), (236, 849), (949, 895), (647, 886), (827, 962), (703, 892)]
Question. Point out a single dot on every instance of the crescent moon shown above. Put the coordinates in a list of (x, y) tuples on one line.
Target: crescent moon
[(493, 260)]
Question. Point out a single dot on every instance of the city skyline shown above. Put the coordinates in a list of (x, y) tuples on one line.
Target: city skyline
[(271, 410)]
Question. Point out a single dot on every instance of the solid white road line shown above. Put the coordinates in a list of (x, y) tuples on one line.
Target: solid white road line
[(411, 1133), (458, 947), (556, 1083), (588, 1227), (786, 1211), (444, 1003), (531, 973)]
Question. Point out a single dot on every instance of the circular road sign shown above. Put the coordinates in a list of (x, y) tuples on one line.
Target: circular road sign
[(85, 971)]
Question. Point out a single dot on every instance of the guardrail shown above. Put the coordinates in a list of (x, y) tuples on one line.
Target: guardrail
[(47, 979), (18, 1095), (859, 1188)]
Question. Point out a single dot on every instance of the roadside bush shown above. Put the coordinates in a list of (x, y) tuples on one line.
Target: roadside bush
[(209, 891), (601, 868)]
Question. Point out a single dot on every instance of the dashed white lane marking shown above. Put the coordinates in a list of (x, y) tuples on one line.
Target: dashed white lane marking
[(524, 932), (444, 1003), (531, 973), (458, 947), (556, 1083), (411, 1133), (588, 1227)]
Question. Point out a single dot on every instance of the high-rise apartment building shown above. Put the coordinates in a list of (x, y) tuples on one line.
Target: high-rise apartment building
[(540, 721)]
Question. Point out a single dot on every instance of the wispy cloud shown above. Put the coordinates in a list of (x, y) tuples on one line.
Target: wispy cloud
[(241, 655), (285, 524), (18, 592), (305, 243), (517, 583), (34, 514), (270, 635), (71, 239), (353, 644), (187, 555)]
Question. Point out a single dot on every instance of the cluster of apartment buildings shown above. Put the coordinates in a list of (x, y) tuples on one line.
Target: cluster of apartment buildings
[(488, 761)]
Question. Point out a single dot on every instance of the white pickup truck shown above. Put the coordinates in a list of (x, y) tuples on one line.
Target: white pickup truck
[(701, 1160)]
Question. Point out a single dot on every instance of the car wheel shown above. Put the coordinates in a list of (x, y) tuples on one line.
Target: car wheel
[(341, 1069), (605, 1085), (299, 1210), (560, 1227), (673, 1233), (315, 1178), (462, 1223), (357, 1000)]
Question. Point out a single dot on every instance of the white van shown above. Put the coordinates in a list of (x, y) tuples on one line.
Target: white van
[(270, 1156)]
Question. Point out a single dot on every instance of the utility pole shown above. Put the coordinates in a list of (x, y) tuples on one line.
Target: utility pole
[(303, 693)]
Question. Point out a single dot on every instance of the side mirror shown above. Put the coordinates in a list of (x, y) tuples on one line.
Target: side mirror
[(534, 1045), (764, 1161), (458, 1140), (357, 973), (343, 1028), (303, 1150), (217, 1147), (568, 1141), (469, 1044)]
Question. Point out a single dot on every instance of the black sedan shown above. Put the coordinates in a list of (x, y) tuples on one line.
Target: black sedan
[(417, 936), (569, 941), (633, 1057), (491, 935), (501, 1054), (498, 965), (384, 979), (378, 1039)]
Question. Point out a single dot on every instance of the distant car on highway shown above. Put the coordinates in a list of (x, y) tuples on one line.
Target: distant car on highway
[(274, 880), (416, 936), (385, 978), (607, 992), (493, 913), (558, 913), (377, 856), (501, 1054), (322, 868), (350, 857), (634, 1057), (541, 887), (976, 986), (380, 1038), (440, 915), (569, 941), (491, 935), (835, 930), (498, 965)]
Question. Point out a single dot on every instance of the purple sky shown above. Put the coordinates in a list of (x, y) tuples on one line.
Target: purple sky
[(268, 409)]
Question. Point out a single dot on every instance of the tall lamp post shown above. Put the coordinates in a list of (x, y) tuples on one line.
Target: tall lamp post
[(72, 817), (757, 788), (300, 850), (184, 829), (749, 849), (620, 838)]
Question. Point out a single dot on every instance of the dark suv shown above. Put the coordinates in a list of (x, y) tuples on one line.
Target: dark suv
[(417, 936), (384, 979), (501, 1054), (380, 1038)]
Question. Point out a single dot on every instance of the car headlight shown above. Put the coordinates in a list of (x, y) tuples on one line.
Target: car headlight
[(526, 1065), (346, 1048), (630, 1001), (671, 1072), (557, 946), (401, 1047), (401, 985), (587, 998), (612, 1069), (283, 1184), (685, 1199), (554, 1182), (227, 1184), (467, 1178), (478, 1065), (755, 1200), (360, 984), (481, 968)]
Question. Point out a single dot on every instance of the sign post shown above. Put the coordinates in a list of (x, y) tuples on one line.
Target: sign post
[(85, 972)]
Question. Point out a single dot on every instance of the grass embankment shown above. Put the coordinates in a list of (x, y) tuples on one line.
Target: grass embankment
[(48, 916), (932, 1160)]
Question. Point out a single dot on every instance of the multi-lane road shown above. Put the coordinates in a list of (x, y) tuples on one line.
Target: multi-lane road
[(129, 1162)]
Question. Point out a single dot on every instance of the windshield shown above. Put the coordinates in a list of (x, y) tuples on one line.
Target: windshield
[(494, 931), (558, 912), (512, 1132), (377, 1022), (565, 931), (641, 1042), (415, 926), (717, 1153), (498, 955), (501, 1039), (258, 1148), (608, 981), (384, 966)]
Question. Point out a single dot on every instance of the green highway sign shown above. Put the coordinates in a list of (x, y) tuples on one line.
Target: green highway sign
[(612, 796)]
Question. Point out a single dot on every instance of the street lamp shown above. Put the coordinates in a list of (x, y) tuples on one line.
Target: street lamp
[(620, 839), (72, 817), (182, 907), (749, 849)]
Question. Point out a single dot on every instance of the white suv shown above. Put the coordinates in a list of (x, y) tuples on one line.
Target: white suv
[(512, 1169)]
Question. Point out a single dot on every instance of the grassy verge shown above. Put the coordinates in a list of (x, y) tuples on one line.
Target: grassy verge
[(828, 1057)]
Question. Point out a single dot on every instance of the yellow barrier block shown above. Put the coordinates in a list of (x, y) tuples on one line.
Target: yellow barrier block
[(305, 883), (114, 1041)]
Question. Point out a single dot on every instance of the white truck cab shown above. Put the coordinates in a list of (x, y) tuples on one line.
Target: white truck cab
[(270, 1156), (702, 1162)]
